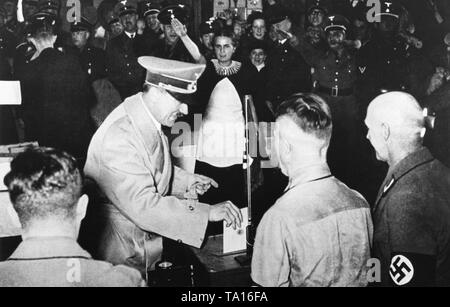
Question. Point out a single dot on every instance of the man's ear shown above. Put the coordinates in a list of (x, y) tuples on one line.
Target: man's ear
[(82, 207), (386, 131), (88, 35)]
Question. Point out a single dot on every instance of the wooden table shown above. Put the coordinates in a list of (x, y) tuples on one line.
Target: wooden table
[(213, 269)]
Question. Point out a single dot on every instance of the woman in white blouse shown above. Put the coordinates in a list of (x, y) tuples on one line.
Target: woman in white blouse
[(221, 141)]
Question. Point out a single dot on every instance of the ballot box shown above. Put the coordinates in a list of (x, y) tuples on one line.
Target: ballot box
[(10, 229), (213, 268)]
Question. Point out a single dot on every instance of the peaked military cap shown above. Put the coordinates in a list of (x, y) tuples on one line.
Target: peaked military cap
[(150, 7), (31, 2), (82, 25), (171, 12), (336, 22), (317, 5), (111, 18), (49, 5), (125, 7), (173, 76), (389, 8), (209, 26), (40, 21)]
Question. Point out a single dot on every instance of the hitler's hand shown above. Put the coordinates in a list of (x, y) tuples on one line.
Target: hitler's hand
[(228, 212), (179, 28), (201, 184)]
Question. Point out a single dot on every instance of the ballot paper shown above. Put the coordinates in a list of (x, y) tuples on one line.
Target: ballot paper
[(235, 240), (10, 93)]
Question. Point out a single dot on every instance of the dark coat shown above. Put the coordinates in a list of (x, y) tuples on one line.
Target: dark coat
[(93, 62), (8, 133), (178, 52), (56, 103), (438, 139), (392, 65), (124, 71), (288, 73), (412, 217), (8, 43)]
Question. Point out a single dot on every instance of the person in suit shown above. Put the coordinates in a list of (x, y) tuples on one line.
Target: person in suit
[(92, 59), (129, 159), (208, 31), (289, 73), (45, 188), (8, 132), (124, 72), (55, 93), (412, 212), (153, 30)]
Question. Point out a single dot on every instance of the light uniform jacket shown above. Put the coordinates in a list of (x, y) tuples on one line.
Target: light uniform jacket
[(61, 262), (129, 159)]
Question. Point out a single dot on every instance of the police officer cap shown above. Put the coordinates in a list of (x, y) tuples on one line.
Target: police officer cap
[(173, 76), (49, 5), (337, 22), (82, 25), (111, 18), (126, 7), (317, 5), (209, 26), (41, 21), (389, 8), (149, 8), (171, 12), (31, 2)]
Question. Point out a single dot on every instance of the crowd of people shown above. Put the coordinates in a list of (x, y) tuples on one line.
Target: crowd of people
[(353, 93)]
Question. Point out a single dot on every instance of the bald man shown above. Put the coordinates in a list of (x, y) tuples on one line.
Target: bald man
[(319, 232), (412, 211)]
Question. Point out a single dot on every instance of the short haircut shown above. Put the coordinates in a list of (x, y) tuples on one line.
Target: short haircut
[(226, 33), (44, 183), (310, 113)]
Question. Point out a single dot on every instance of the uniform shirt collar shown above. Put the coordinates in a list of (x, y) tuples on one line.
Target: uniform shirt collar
[(415, 159), (308, 174), (49, 247), (130, 35), (260, 67), (155, 122)]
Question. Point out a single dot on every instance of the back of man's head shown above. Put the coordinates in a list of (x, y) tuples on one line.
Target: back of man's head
[(311, 115), (44, 184), (402, 114)]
